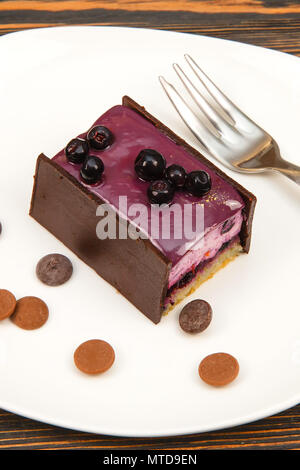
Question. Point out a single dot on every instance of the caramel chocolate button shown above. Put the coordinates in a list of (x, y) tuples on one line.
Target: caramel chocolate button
[(54, 269), (30, 313), (94, 356), (218, 369), (7, 304), (195, 316)]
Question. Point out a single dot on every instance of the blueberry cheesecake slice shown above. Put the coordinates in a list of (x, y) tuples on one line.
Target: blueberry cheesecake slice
[(145, 210)]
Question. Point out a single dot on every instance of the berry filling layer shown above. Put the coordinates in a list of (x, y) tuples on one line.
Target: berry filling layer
[(199, 273), (206, 248)]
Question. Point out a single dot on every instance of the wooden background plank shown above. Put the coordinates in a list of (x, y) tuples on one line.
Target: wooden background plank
[(202, 6), (268, 23)]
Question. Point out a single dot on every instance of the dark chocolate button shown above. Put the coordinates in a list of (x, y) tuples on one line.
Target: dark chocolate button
[(54, 269), (94, 356), (195, 316), (218, 369), (7, 304), (30, 313)]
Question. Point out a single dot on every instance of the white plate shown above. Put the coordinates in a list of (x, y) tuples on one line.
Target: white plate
[(54, 84)]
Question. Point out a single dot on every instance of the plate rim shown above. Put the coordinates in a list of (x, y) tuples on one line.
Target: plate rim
[(152, 30), (227, 424)]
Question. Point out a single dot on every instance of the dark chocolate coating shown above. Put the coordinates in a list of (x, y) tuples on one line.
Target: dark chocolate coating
[(67, 209), (136, 268)]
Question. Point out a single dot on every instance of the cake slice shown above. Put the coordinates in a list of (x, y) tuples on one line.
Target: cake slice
[(152, 270)]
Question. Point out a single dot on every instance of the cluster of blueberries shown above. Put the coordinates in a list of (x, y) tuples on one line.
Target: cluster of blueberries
[(77, 151), (150, 165)]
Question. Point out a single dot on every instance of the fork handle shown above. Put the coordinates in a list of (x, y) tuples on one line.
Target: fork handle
[(290, 170)]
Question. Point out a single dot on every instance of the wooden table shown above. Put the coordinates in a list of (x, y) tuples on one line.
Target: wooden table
[(269, 23)]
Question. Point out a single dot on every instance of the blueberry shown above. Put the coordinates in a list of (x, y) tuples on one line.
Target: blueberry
[(227, 226), (160, 192), (198, 183), (176, 175), (149, 165), (92, 169), (76, 150), (99, 137)]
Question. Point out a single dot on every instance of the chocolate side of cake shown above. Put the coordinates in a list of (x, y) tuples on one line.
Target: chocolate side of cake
[(136, 268), (248, 198)]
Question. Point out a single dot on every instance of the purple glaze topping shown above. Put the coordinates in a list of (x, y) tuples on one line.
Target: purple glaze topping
[(132, 133)]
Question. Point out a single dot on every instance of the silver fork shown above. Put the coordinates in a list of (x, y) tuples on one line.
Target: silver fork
[(223, 130)]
